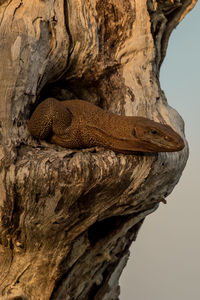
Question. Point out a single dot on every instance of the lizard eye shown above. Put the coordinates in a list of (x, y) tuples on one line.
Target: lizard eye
[(153, 131)]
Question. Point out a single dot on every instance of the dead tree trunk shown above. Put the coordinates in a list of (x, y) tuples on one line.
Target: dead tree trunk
[(69, 217)]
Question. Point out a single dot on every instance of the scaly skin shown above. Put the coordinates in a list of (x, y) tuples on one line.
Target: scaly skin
[(80, 124)]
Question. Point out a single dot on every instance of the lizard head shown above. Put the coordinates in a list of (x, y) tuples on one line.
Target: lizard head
[(157, 137)]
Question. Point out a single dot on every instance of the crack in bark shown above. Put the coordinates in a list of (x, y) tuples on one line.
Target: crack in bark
[(22, 273), (71, 46), (5, 11), (17, 8)]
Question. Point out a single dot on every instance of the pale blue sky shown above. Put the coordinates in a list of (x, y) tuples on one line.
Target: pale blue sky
[(165, 260)]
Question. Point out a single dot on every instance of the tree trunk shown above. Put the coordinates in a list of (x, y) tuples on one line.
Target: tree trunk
[(68, 217)]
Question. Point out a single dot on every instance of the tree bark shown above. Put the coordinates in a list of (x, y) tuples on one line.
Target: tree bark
[(68, 217)]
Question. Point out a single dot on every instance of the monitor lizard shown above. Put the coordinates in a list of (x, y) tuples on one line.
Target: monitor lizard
[(79, 124)]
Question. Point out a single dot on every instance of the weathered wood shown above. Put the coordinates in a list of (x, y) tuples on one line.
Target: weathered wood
[(69, 217)]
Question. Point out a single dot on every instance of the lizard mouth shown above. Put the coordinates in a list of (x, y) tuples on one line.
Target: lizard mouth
[(151, 145), (144, 146), (165, 146)]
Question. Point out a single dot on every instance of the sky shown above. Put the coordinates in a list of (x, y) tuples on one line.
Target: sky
[(165, 259)]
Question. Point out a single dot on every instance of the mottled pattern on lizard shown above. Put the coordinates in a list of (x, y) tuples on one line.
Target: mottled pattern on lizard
[(80, 124)]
